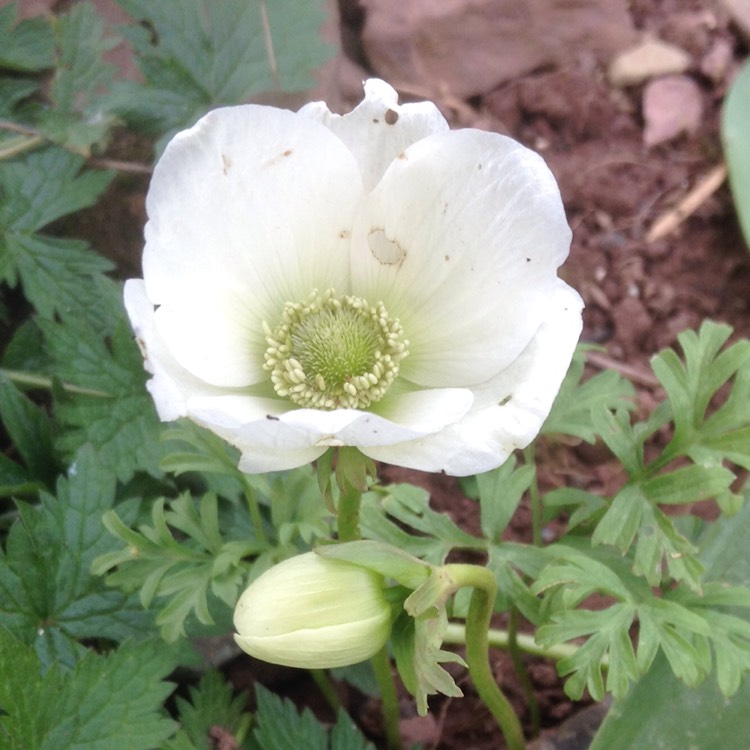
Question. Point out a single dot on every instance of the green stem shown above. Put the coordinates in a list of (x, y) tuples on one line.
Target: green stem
[(347, 522), (529, 455), (522, 673), (254, 508), (324, 684), (32, 380), (477, 648), (456, 634), (381, 665)]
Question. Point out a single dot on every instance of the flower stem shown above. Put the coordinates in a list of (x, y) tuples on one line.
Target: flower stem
[(537, 511), (456, 633), (324, 684), (32, 380), (477, 648), (381, 665), (254, 508), (522, 673), (347, 522)]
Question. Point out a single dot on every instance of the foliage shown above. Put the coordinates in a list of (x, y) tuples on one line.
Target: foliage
[(737, 145)]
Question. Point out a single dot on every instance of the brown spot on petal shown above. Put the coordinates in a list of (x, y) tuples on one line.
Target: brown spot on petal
[(288, 152), (505, 400), (391, 116), (385, 250), (344, 234)]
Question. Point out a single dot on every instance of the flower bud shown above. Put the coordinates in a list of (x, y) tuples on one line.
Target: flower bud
[(313, 613)]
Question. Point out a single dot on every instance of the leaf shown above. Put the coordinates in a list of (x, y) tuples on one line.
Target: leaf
[(59, 276), (106, 702), (29, 429), (213, 705), (577, 401), (47, 595), (27, 46), (118, 417), (197, 55), (281, 727), (409, 506), (736, 141), (660, 711), (500, 492), (80, 117)]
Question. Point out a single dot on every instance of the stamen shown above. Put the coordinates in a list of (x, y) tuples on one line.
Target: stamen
[(331, 353)]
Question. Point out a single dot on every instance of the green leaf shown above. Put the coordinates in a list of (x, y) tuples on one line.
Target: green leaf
[(59, 276), (29, 429), (79, 118), (47, 595), (106, 702), (27, 46), (736, 141), (118, 417), (572, 412), (409, 507), (197, 55), (180, 558), (500, 492), (281, 727), (213, 705), (660, 711)]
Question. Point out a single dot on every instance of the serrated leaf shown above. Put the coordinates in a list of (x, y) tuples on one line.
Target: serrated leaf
[(281, 727), (203, 55), (29, 429), (213, 706), (27, 46), (107, 702), (118, 417), (48, 596), (80, 118)]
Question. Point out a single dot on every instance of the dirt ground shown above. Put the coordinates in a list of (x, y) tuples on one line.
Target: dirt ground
[(628, 139)]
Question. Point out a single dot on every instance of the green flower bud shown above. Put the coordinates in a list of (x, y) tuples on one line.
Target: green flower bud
[(313, 613)]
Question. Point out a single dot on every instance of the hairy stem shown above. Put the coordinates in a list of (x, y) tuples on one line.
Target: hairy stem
[(381, 665)]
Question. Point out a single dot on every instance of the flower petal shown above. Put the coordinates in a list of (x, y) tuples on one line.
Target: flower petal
[(171, 385), (379, 129), (461, 240), (249, 209), (509, 409), (272, 437)]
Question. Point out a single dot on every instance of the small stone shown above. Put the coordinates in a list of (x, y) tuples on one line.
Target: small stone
[(717, 61), (650, 59), (671, 106)]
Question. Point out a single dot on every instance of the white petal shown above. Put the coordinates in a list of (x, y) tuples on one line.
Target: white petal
[(379, 129), (272, 437), (509, 409), (461, 240), (171, 385), (250, 208)]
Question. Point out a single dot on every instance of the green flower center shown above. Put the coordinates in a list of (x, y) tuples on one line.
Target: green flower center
[(334, 353)]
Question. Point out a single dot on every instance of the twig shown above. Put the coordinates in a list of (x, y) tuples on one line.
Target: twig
[(636, 374), (706, 187), (122, 166), (269, 44)]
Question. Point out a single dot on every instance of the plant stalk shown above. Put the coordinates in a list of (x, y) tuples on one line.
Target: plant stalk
[(381, 665), (477, 649)]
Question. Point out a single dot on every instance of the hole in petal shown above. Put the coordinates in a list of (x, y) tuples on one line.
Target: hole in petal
[(386, 251), (391, 116)]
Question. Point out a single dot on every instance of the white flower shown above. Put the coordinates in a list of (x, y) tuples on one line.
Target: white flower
[(313, 613), (372, 280)]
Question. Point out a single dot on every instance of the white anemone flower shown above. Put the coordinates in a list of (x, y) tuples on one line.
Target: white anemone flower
[(371, 280)]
